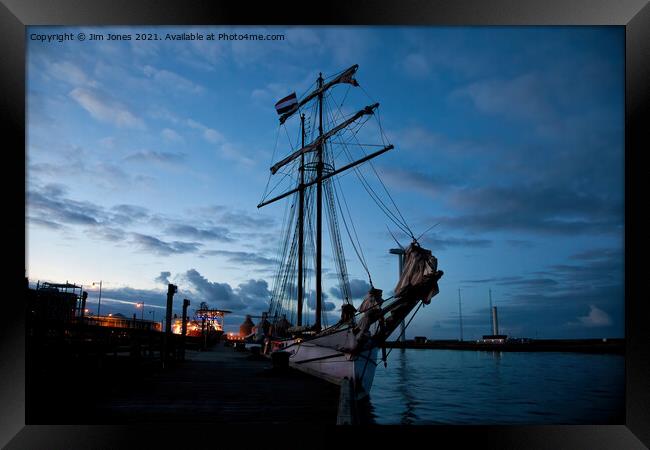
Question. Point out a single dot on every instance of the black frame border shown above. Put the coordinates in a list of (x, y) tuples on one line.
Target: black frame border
[(15, 15)]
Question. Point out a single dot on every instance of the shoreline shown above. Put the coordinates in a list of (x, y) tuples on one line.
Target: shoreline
[(599, 346)]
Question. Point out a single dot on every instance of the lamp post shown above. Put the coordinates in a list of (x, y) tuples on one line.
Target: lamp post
[(99, 302), (140, 305)]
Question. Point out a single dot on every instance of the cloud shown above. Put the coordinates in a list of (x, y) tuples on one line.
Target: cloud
[(148, 156), (105, 108), (492, 280), (70, 73), (208, 234), (269, 94), (596, 318), (107, 233), (163, 248), (521, 97), (163, 278), (252, 295), (310, 301), (520, 243), (443, 243), (125, 214), (209, 134), (426, 183), (48, 204), (45, 223), (243, 219), (234, 153), (170, 135), (124, 299), (597, 254), (534, 208), (243, 258), (171, 81), (358, 289), (416, 65)]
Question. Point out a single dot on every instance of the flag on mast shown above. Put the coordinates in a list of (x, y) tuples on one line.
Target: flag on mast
[(286, 104)]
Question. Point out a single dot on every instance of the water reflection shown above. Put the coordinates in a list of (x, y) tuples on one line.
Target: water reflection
[(404, 375), (465, 387)]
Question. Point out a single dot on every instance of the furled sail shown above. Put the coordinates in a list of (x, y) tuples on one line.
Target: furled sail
[(420, 274)]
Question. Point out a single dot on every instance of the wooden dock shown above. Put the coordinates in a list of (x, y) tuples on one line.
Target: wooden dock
[(223, 386)]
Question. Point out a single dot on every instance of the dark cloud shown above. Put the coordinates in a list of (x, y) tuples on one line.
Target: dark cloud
[(128, 214), (211, 291), (519, 243), (246, 220), (310, 301), (539, 209), (206, 234), (598, 254), (45, 223), (48, 203), (426, 183), (244, 258), (129, 296), (442, 243), (253, 295), (106, 233), (358, 289), (438, 241), (523, 97), (157, 246), (563, 300), (492, 280), (163, 278)]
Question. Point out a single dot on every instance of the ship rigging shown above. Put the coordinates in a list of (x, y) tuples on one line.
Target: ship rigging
[(327, 133)]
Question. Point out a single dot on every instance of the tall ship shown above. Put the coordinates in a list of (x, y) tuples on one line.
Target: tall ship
[(329, 133)]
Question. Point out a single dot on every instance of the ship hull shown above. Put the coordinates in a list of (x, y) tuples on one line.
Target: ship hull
[(325, 357)]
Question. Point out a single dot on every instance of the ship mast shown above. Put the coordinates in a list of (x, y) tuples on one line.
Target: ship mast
[(301, 226), (318, 146), (319, 206)]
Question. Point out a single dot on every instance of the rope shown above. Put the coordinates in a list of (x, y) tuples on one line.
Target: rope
[(406, 326), (402, 225)]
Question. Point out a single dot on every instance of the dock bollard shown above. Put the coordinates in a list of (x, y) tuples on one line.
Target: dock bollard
[(280, 360)]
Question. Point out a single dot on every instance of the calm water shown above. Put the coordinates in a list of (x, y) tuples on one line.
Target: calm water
[(473, 387)]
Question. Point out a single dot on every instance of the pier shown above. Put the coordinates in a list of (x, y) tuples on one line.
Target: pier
[(220, 385), (117, 370)]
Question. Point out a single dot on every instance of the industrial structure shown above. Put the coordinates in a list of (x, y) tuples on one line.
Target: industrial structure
[(400, 254), (495, 337)]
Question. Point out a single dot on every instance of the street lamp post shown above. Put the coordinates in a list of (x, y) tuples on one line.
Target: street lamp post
[(99, 302), (140, 305)]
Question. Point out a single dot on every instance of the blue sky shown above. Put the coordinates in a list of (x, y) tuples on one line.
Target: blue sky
[(146, 160)]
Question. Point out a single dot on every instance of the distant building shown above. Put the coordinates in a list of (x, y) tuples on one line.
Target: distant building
[(120, 321), (54, 302), (494, 339), (420, 339)]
